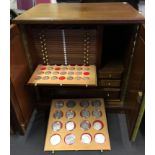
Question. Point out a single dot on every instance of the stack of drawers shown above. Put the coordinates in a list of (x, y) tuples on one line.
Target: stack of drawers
[(109, 78)]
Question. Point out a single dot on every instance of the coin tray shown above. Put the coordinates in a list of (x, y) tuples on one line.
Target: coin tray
[(91, 135), (78, 75)]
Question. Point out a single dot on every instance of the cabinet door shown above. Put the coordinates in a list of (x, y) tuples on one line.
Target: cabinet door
[(136, 83), (21, 101)]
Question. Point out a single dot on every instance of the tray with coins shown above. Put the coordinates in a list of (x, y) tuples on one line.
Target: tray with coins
[(77, 124), (82, 75)]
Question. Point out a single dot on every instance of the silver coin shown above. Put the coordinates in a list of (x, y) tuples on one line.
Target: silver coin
[(64, 68), (58, 114), (85, 125), (45, 78), (84, 103), (86, 68), (77, 78), (96, 103), (56, 126), (78, 73), (50, 68), (55, 73), (48, 72), (70, 114), (63, 73), (70, 125), (70, 73), (97, 113), (71, 103), (72, 68), (70, 139), (69, 78), (85, 113), (79, 68), (54, 77), (59, 104)]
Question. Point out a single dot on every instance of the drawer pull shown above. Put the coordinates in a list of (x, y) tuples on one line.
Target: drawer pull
[(109, 84), (108, 94)]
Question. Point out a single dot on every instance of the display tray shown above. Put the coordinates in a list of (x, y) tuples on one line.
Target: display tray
[(77, 124), (64, 75)]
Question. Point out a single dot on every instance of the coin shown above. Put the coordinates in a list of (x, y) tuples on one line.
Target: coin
[(70, 125), (98, 125), (59, 104), (58, 114), (97, 113), (70, 114), (85, 113), (71, 103), (85, 125), (86, 138), (55, 139), (96, 103), (70, 139), (99, 138), (56, 126), (84, 103)]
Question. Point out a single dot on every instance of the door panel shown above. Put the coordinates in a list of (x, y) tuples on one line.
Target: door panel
[(21, 101), (136, 82)]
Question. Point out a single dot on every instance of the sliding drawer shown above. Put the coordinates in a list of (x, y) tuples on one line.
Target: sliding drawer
[(109, 83), (111, 94)]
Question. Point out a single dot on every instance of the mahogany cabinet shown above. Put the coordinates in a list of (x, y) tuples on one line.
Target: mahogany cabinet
[(113, 35)]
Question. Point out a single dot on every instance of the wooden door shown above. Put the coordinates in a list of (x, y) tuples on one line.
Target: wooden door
[(21, 100), (136, 85)]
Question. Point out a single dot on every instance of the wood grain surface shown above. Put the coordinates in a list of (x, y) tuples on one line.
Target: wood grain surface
[(78, 13)]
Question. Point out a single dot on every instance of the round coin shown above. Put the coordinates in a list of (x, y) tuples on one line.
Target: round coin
[(70, 139)]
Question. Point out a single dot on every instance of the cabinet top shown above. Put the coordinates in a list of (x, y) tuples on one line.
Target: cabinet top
[(80, 13)]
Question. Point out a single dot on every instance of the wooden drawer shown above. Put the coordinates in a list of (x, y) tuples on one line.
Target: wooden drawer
[(111, 94), (109, 75), (109, 83), (112, 70)]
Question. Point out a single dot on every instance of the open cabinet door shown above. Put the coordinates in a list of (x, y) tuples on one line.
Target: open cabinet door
[(21, 100), (136, 86)]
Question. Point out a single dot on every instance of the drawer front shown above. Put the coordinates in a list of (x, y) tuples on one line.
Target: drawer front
[(109, 83), (114, 75), (111, 95)]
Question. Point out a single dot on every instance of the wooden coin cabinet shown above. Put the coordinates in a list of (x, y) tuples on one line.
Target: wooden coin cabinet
[(107, 35)]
